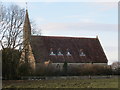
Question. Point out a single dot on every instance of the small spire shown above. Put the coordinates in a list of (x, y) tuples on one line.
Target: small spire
[(97, 36), (27, 29), (26, 6)]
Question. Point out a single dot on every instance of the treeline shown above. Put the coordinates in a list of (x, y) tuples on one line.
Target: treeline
[(86, 69), (10, 63), (11, 68)]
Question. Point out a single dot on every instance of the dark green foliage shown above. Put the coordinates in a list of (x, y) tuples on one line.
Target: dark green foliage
[(10, 63), (11, 68), (116, 71), (90, 70), (48, 70), (25, 70), (69, 70), (65, 68)]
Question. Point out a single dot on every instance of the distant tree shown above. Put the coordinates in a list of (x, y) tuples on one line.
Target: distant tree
[(116, 67)]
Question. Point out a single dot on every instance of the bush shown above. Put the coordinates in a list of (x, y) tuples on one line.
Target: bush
[(89, 69), (65, 68), (10, 63), (86, 69), (25, 70), (46, 70), (116, 71)]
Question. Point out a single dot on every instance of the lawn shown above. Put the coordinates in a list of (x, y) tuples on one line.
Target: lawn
[(62, 83)]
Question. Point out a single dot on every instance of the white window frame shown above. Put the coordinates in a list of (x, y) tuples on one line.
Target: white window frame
[(68, 53), (52, 53), (60, 54)]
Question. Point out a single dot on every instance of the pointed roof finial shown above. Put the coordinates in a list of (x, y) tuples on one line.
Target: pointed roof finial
[(26, 6), (97, 36)]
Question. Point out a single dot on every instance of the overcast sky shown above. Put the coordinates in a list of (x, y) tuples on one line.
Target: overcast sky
[(78, 19)]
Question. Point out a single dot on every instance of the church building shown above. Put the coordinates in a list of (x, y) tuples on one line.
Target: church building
[(60, 49)]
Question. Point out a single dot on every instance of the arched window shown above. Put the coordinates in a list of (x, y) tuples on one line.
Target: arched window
[(51, 52), (82, 53), (68, 53), (59, 52)]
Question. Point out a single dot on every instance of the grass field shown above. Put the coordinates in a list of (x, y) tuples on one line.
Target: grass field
[(62, 83)]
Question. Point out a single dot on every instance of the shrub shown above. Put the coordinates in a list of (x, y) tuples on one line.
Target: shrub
[(86, 69), (10, 63), (65, 68)]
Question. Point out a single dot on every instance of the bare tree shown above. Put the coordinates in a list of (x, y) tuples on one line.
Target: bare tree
[(35, 30), (11, 26), (11, 38)]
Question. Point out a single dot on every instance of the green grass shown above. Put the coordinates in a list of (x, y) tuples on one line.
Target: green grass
[(71, 83)]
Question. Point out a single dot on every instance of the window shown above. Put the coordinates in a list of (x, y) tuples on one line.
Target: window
[(60, 54), (68, 53), (51, 52), (82, 53)]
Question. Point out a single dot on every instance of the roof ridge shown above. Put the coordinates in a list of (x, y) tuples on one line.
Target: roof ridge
[(64, 37)]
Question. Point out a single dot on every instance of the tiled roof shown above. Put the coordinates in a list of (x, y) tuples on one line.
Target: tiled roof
[(81, 50)]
